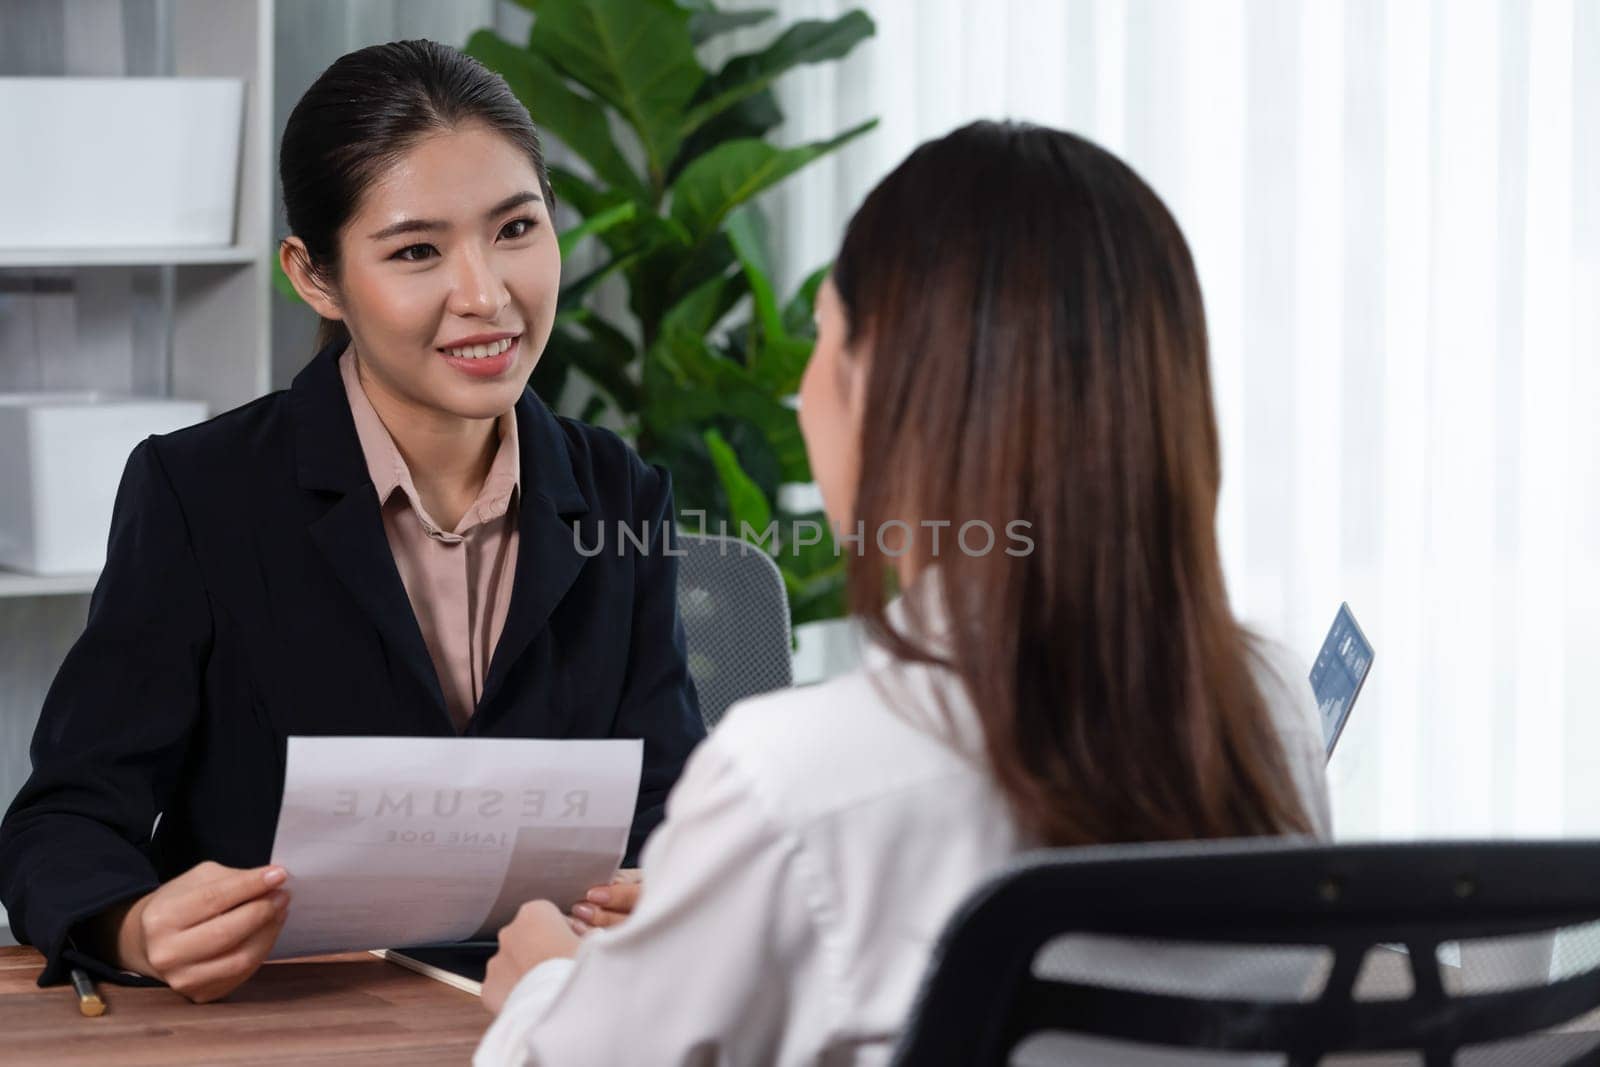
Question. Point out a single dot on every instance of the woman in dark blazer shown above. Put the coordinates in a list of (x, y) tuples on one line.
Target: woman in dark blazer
[(251, 591)]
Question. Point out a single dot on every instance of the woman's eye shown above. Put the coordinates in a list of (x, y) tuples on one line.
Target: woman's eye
[(510, 231), (516, 228), (415, 253)]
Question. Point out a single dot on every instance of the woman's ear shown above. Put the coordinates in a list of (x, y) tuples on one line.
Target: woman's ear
[(296, 263)]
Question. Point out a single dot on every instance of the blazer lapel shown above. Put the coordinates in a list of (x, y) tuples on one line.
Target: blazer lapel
[(350, 534), (548, 560)]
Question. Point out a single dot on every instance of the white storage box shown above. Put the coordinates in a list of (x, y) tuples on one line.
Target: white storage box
[(119, 162), (61, 460)]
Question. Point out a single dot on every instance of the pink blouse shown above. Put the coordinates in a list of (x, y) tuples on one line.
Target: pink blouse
[(458, 581)]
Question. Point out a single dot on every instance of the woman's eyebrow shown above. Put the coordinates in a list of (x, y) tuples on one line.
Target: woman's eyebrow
[(415, 225)]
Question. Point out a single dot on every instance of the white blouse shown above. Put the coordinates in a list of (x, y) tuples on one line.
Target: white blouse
[(812, 852)]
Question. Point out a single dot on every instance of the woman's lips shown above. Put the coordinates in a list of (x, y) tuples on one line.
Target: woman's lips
[(487, 366)]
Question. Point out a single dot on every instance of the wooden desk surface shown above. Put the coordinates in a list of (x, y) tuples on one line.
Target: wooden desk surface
[(352, 1009)]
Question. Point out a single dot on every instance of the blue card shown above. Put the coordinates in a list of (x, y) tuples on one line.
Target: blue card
[(1336, 677)]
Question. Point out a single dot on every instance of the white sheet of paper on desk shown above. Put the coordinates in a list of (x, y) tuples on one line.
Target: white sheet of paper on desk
[(409, 840)]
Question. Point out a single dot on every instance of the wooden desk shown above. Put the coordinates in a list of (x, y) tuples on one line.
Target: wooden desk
[(352, 1009)]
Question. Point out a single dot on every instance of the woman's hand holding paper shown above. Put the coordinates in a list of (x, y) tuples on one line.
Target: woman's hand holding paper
[(205, 931), (608, 905)]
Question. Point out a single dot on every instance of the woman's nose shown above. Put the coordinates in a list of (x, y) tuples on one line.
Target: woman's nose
[(477, 289)]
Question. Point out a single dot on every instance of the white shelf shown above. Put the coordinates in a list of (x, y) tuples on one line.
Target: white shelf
[(17, 584), (124, 257), (208, 323)]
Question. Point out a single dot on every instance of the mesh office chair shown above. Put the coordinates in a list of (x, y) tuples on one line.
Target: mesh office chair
[(1272, 953), (736, 618)]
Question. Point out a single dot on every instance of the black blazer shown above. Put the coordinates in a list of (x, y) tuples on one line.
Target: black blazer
[(249, 594)]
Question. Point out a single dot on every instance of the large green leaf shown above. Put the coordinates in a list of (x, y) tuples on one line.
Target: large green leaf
[(756, 454), (811, 41), (798, 312), (601, 353), (780, 363), (632, 240), (727, 176), (695, 486), (687, 380), (746, 230), (574, 293), (711, 258), (682, 375), (687, 383), (672, 270), (627, 238), (777, 359), (579, 121), (754, 116), (582, 195), (596, 224), (636, 55), (705, 306), (747, 504), (707, 22)]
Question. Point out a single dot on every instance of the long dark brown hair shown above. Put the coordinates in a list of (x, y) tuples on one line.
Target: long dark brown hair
[(1038, 353)]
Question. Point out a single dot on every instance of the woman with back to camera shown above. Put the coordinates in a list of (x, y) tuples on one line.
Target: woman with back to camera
[(386, 548), (1012, 332)]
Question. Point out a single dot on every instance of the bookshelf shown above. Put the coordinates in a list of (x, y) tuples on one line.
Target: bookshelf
[(182, 322)]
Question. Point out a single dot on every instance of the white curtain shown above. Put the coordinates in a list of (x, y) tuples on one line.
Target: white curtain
[(1396, 212)]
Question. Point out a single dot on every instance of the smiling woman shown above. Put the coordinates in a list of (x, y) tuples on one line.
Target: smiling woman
[(444, 282), (389, 547)]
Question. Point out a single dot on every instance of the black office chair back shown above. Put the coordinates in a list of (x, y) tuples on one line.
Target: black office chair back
[(735, 614), (1272, 952)]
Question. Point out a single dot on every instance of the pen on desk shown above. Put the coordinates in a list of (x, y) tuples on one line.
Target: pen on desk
[(89, 1002)]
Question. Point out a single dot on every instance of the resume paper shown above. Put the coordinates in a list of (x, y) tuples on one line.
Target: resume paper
[(412, 840)]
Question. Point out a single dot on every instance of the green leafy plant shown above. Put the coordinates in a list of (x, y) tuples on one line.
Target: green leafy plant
[(673, 157)]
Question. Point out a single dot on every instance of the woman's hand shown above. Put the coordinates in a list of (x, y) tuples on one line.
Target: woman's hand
[(204, 932), (608, 905), (539, 933)]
